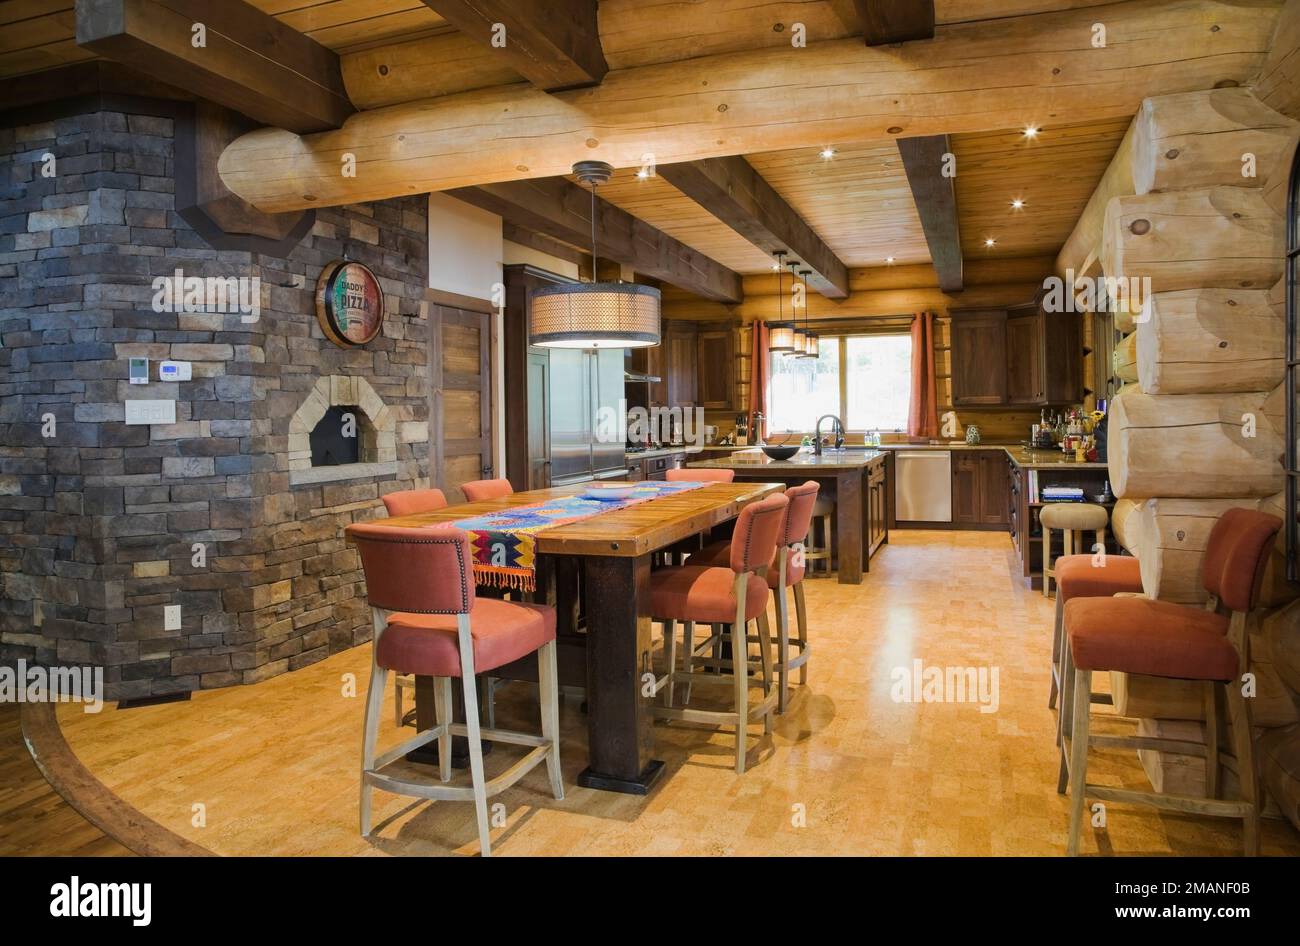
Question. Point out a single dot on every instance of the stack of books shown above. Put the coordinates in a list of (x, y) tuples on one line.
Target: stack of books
[(1062, 494)]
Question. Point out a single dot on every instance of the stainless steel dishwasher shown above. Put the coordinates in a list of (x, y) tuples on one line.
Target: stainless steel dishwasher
[(923, 485)]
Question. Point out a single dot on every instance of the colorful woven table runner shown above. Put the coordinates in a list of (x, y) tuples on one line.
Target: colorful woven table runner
[(505, 542)]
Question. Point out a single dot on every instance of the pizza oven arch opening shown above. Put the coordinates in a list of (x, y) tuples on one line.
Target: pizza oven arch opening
[(344, 434)]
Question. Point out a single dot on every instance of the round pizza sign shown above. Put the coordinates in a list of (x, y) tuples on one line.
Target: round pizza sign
[(349, 303)]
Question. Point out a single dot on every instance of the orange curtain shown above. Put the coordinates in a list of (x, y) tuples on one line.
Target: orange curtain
[(759, 374), (922, 419)]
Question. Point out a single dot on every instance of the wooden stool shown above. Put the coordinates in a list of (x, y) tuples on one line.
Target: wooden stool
[(1069, 518), (1207, 645), (824, 513)]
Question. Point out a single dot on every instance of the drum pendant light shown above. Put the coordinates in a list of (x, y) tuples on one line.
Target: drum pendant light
[(811, 347), (594, 314), (782, 336), (800, 337)]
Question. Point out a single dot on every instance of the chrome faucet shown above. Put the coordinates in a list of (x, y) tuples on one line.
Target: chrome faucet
[(817, 433)]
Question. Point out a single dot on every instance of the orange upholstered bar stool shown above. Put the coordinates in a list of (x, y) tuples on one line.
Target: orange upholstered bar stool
[(428, 622), (676, 553), (409, 502), (685, 474), (476, 490), (786, 572), (1209, 645), (1088, 576), (735, 594)]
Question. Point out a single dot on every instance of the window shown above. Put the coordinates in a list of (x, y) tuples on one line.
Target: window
[(863, 379), (1292, 356)]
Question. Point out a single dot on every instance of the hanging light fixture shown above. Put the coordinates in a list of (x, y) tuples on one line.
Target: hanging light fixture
[(797, 342), (782, 336), (594, 314), (811, 345)]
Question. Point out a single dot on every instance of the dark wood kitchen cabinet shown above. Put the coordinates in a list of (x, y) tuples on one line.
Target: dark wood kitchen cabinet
[(979, 489), (715, 366), (877, 484), (1016, 357), (979, 357), (650, 361), (679, 358), (1044, 357)]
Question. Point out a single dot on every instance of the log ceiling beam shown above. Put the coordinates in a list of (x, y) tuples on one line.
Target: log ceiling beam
[(249, 62), (895, 21), (561, 210), (936, 204), (553, 43), (1021, 69), (731, 190)]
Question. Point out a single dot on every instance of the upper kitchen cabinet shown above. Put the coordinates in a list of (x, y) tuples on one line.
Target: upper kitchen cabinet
[(679, 359), (979, 358), (716, 367), (1044, 357), (649, 361), (1017, 357)]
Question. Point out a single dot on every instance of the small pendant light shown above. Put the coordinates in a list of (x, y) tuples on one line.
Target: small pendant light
[(782, 337), (811, 346), (594, 314)]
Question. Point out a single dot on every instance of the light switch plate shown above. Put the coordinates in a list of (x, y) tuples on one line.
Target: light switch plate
[(150, 412), (171, 617)]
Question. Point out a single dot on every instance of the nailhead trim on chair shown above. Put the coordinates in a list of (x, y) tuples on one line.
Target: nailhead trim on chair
[(460, 561)]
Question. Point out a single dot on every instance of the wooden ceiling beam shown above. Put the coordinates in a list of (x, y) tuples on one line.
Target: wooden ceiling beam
[(1030, 68), (895, 21), (249, 62), (561, 210), (936, 204), (731, 190), (553, 43)]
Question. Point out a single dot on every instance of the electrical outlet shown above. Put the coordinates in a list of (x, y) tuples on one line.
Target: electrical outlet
[(172, 617)]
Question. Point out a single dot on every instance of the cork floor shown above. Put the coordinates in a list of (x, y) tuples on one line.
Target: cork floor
[(272, 768)]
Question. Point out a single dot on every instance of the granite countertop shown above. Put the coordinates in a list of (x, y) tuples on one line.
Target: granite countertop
[(847, 459), (1022, 457)]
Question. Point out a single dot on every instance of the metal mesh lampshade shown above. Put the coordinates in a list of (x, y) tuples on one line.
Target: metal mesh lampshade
[(594, 315), (800, 339), (811, 348)]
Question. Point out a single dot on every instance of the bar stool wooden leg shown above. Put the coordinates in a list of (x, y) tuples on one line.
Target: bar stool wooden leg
[(801, 620), (374, 706), (473, 736), (740, 674), (1058, 631), (1065, 719), (670, 646), (1247, 777), (782, 648), (548, 691), (1047, 561), (765, 658), (1079, 755), (442, 714), (1211, 695), (688, 657)]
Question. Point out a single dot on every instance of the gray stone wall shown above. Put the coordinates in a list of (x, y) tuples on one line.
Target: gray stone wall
[(100, 521)]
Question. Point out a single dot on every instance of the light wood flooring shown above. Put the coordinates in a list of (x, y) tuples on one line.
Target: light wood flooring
[(272, 768)]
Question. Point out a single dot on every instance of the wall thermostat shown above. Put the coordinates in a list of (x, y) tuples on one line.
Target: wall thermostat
[(138, 371), (174, 371)]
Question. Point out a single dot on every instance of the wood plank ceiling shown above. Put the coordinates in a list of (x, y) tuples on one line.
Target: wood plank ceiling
[(858, 201)]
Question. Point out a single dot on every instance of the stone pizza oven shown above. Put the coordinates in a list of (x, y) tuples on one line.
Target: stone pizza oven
[(375, 431)]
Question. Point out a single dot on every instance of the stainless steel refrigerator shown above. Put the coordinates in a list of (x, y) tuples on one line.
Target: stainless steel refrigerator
[(582, 383)]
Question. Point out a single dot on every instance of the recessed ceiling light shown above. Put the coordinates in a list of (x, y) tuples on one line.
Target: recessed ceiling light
[(1017, 204), (990, 242), (827, 153), (889, 259), (776, 267), (643, 173), (1031, 131)]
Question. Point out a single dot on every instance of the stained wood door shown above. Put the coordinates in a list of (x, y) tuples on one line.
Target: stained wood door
[(965, 488), (460, 398), (993, 488), (716, 368), (680, 363)]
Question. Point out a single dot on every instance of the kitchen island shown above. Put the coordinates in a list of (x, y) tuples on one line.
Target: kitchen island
[(856, 479)]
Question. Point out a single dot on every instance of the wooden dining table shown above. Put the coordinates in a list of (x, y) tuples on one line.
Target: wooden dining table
[(596, 571)]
